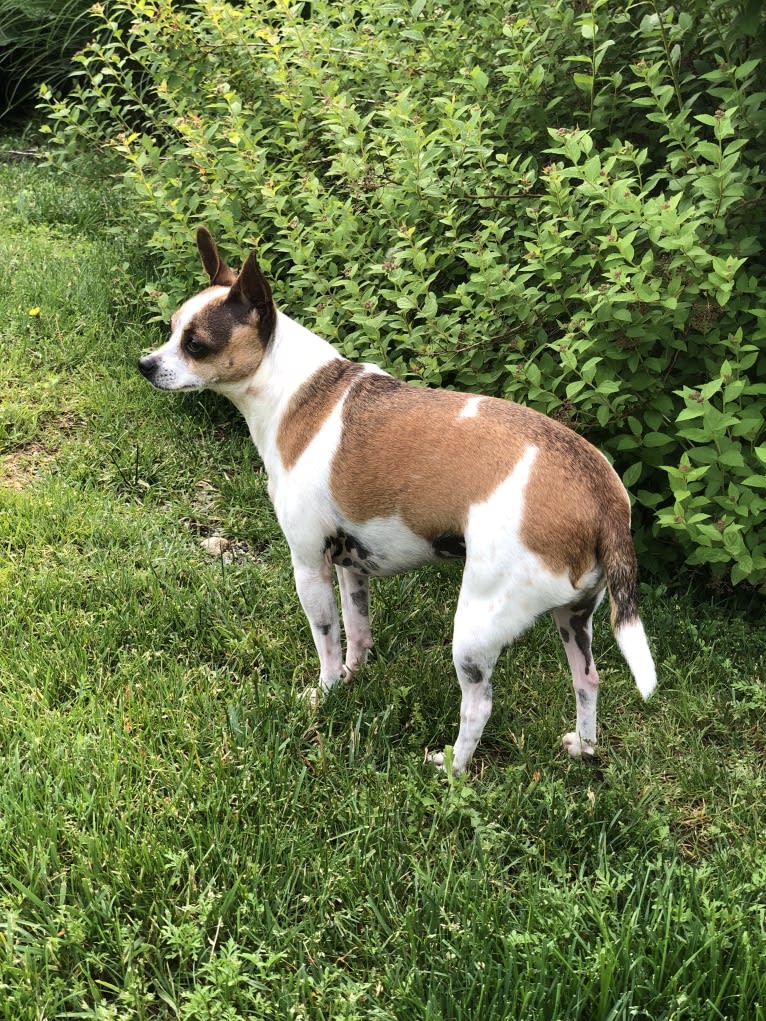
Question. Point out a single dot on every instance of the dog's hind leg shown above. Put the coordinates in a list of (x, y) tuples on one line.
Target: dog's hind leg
[(355, 604), (315, 591), (493, 610), (476, 645), (575, 624)]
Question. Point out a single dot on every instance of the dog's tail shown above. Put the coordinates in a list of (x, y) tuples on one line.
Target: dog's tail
[(618, 558)]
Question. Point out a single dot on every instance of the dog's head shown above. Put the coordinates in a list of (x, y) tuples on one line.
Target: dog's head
[(217, 338)]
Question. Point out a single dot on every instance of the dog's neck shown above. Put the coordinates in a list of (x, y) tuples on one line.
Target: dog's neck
[(293, 356)]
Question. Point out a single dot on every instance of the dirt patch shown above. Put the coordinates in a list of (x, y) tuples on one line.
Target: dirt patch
[(21, 468), (28, 462)]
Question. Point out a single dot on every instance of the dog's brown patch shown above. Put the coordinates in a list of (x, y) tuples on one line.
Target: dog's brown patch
[(311, 405), (572, 498), (409, 452)]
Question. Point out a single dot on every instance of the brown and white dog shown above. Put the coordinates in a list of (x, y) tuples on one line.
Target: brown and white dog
[(375, 477)]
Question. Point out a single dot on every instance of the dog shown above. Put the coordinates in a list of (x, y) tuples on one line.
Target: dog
[(375, 476)]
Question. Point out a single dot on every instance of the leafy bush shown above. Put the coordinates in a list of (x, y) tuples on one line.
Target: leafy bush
[(555, 204)]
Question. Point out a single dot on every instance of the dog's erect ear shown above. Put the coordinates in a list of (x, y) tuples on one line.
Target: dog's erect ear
[(215, 267), (252, 287)]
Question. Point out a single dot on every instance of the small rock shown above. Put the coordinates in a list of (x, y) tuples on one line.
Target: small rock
[(215, 545)]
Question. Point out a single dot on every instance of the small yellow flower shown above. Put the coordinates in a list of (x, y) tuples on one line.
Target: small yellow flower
[(34, 312)]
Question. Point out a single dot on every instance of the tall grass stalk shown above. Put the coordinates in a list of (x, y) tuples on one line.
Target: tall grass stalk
[(37, 41)]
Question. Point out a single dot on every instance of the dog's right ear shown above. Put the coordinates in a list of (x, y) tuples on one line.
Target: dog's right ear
[(215, 267)]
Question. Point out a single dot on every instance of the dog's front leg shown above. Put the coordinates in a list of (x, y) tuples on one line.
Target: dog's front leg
[(315, 591), (355, 604)]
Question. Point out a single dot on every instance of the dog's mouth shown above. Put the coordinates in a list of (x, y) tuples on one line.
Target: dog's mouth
[(151, 368), (159, 385)]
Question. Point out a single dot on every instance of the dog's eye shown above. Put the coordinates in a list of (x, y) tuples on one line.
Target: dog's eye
[(193, 347)]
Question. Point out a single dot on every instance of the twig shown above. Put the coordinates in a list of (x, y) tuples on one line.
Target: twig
[(506, 195), (21, 154), (214, 941)]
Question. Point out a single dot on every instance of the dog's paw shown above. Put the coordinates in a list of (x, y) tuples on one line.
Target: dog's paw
[(445, 762), (577, 746), (354, 663)]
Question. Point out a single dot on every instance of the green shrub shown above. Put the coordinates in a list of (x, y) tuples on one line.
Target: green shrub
[(557, 205)]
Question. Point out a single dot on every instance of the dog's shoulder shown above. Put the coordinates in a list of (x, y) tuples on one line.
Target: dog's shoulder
[(311, 404)]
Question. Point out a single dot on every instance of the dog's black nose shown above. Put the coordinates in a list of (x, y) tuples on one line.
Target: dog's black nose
[(146, 366)]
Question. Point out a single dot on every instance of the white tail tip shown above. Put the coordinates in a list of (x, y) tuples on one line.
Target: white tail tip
[(631, 639)]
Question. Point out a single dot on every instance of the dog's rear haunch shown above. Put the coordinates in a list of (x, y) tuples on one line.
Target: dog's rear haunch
[(372, 476)]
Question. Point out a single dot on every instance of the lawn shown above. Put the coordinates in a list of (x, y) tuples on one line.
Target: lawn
[(180, 836)]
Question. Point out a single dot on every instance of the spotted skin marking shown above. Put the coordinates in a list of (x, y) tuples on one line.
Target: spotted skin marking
[(449, 547), (564, 635), (582, 696), (579, 625), (361, 602), (473, 671), (347, 551), (325, 628)]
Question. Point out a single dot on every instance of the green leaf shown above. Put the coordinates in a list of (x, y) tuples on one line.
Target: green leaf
[(588, 27), (632, 474), (480, 80), (709, 151), (741, 571), (584, 82), (588, 371), (692, 411), (708, 389), (655, 439), (429, 306), (732, 458)]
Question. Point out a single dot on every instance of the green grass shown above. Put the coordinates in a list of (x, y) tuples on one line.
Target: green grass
[(37, 41), (181, 837)]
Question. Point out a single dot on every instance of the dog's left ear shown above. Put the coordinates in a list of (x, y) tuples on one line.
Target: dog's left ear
[(252, 287), (215, 267)]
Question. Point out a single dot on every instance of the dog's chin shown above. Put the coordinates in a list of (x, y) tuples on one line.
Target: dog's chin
[(169, 387)]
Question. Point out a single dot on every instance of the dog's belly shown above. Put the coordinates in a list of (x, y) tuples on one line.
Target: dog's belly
[(383, 546)]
